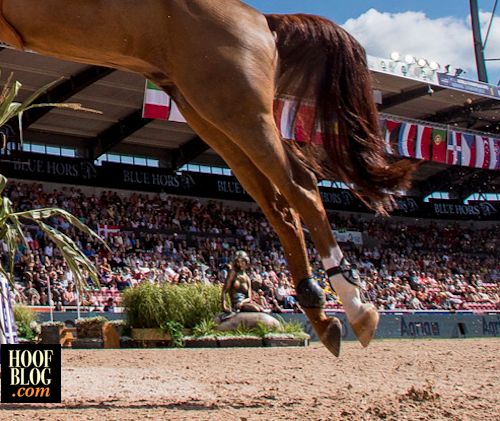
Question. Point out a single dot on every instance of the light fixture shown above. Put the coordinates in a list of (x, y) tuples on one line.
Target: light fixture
[(410, 59), (458, 72), (422, 62), (395, 56), (433, 65), (430, 91), (447, 69)]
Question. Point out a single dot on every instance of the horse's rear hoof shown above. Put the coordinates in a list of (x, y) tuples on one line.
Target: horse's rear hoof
[(365, 325), (332, 336)]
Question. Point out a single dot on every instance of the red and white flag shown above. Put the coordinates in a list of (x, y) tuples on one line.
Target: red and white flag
[(423, 142), (106, 231), (284, 109), (482, 152), (158, 105)]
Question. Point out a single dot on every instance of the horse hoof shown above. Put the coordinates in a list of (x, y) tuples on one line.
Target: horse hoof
[(365, 325), (332, 336)]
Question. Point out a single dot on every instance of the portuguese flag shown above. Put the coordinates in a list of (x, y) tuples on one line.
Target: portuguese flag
[(157, 104)]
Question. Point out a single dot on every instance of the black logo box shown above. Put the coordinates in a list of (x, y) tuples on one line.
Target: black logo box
[(31, 373)]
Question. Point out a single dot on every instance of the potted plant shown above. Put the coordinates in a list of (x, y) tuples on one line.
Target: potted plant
[(160, 314), (89, 332), (51, 332), (27, 324)]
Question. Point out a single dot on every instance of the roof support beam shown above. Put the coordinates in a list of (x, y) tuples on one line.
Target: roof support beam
[(185, 153), (405, 96), (65, 90), (466, 113), (105, 141), (450, 179)]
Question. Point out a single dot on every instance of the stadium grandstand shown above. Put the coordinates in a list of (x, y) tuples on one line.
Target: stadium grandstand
[(173, 212)]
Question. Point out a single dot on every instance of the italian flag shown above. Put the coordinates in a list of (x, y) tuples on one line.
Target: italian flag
[(157, 103)]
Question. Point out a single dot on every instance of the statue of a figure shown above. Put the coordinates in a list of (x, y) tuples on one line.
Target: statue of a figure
[(239, 287)]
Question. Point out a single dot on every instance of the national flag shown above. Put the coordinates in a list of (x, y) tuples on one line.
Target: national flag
[(468, 150), (483, 152), (284, 110), (391, 131), (439, 145), (283, 113), (157, 104), (423, 142), (407, 139), (494, 154), (106, 231), (454, 148), (305, 125)]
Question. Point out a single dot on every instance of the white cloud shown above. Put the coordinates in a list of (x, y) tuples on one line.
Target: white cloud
[(446, 40)]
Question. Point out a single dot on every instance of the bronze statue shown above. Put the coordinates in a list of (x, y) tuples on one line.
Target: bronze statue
[(239, 287)]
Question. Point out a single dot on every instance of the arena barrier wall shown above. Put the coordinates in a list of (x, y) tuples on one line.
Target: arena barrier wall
[(419, 325), (393, 325)]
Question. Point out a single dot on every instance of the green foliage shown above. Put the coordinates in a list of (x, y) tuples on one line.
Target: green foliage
[(152, 306), (189, 304), (56, 323), (11, 231), (205, 327), (292, 328), (262, 330), (26, 322), (11, 227), (97, 320), (144, 307), (9, 108), (175, 330)]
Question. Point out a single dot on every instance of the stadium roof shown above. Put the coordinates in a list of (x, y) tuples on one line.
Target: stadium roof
[(121, 129)]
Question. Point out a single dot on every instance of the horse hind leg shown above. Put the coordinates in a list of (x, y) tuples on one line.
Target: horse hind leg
[(243, 112), (261, 142), (280, 214)]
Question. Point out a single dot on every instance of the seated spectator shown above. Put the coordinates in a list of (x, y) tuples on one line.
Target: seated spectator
[(32, 295), (110, 305), (68, 296)]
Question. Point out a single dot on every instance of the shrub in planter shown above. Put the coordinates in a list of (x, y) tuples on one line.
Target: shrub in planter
[(51, 332), (286, 339), (203, 335), (152, 306), (209, 341), (291, 334), (174, 329), (234, 339), (90, 328), (26, 323), (241, 337)]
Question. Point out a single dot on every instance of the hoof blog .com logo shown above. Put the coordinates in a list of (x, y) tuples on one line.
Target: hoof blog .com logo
[(31, 373)]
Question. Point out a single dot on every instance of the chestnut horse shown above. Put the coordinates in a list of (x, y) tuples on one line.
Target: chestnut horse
[(223, 62)]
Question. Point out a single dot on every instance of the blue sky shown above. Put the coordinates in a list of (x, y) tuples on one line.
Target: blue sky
[(438, 30)]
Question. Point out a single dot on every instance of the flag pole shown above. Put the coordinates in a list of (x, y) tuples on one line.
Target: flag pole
[(50, 300), (478, 42)]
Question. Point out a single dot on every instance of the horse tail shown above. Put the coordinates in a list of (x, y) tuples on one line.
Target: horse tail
[(321, 64)]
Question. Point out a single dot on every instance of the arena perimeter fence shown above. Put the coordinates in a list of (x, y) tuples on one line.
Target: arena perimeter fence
[(398, 324)]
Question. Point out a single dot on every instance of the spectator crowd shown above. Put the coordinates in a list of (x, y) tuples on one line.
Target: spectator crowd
[(159, 238)]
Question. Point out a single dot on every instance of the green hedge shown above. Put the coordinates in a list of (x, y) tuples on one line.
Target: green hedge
[(153, 306)]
